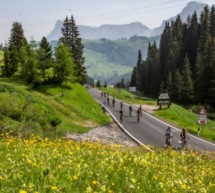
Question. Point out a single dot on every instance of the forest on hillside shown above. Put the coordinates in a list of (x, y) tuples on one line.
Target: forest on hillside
[(183, 64)]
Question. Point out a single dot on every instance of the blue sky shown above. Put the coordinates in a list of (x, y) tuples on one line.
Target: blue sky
[(38, 17)]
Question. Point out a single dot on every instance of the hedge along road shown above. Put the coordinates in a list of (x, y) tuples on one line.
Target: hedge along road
[(149, 130)]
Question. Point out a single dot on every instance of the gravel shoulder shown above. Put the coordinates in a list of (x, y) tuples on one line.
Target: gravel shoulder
[(105, 134)]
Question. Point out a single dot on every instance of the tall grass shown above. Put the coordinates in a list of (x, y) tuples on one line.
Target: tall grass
[(40, 165)]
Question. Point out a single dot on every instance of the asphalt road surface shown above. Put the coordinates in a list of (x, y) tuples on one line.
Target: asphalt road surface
[(149, 130)]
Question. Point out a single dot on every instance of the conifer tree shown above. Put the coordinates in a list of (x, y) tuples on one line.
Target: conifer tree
[(144, 71), (175, 44), (187, 88), (7, 68), (139, 70), (205, 55), (16, 41), (206, 81), (191, 38), (177, 87), (204, 29), (152, 80), (212, 21), (169, 84), (71, 38), (66, 32), (165, 41), (133, 77), (44, 58)]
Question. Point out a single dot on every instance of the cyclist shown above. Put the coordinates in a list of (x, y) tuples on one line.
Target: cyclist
[(184, 138), (140, 108), (108, 100), (169, 137), (130, 110), (138, 115), (121, 105), (113, 101), (120, 115)]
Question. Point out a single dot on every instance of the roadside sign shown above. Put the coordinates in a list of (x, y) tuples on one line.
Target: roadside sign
[(132, 89), (202, 111), (202, 121), (164, 99), (202, 116)]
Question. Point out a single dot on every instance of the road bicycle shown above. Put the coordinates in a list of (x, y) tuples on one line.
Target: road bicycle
[(184, 143)]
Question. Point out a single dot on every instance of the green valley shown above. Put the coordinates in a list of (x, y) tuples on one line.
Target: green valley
[(108, 60)]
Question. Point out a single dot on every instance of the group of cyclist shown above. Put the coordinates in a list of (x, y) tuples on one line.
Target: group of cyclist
[(168, 134), (139, 111), (169, 137)]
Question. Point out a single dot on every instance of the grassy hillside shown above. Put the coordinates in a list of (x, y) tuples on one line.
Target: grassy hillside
[(36, 165), (47, 111), (176, 115)]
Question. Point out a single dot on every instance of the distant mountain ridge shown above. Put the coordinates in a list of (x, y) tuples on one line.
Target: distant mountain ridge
[(108, 31), (114, 32)]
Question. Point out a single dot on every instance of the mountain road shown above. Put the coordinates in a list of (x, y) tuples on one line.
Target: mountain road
[(149, 130)]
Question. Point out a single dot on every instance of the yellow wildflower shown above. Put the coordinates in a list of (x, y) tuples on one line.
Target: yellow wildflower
[(54, 187), (89, 189), (161, 184), (133, 180), (183, 186), (22, 191), (103, 188), (94, 182)]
